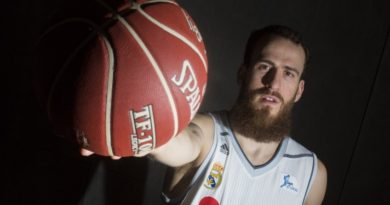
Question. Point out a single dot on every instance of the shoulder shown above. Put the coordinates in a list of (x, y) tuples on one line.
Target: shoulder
[(203, 119), (295, 148), (318, 188)]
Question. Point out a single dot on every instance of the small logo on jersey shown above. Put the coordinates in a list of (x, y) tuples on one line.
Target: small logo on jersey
[(289, 183), (214, 178), (224, 149), (224, 133)]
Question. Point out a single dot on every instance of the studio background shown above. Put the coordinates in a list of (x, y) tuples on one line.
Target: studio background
[(343, 115)]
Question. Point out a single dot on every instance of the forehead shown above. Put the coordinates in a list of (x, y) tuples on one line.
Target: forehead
[(280, 51)]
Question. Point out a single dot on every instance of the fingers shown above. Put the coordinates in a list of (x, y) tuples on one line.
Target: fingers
[(115, 157), (86, 153)]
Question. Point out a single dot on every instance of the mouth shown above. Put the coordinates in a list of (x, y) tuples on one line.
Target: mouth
[(270, 99)]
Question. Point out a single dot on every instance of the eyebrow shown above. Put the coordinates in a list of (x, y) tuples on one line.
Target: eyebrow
[(292, 69), (285, 67)]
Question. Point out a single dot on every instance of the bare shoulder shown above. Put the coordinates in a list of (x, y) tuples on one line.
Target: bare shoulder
[(318, 188)]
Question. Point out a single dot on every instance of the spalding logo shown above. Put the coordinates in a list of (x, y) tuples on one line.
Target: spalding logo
[(188, 85)]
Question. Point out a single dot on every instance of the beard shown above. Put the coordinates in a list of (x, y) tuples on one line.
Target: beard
[(258, 124)]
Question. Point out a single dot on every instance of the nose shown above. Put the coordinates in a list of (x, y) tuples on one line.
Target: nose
[(272, 79)]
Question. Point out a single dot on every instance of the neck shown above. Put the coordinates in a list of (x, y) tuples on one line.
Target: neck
[(258, 153)]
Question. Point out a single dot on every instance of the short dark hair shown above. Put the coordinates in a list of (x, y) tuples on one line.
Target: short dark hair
[(265, 35)]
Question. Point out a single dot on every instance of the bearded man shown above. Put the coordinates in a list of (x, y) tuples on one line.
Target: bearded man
[(245, 155)]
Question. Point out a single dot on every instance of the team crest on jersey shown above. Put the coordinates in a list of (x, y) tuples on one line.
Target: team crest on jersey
[(289, 183), (214, 178)]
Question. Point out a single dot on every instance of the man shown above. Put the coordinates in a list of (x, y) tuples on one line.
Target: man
[(244, 155)]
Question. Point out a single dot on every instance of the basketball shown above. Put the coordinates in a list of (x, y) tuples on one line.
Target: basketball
[(142, 79)]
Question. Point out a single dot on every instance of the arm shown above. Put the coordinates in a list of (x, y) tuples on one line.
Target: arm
[(185, 153), (190, 146), (318, 189)]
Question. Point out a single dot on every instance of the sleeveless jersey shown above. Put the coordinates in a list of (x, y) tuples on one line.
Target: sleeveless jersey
[(227, 177)]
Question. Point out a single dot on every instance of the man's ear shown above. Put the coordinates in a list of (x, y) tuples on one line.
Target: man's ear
[(241, 74), (301, 87)]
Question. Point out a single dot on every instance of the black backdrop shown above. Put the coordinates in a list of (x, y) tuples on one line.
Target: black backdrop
[(343, 115)]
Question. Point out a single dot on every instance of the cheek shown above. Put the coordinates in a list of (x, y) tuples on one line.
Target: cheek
[(255, 81), (289, 92), (294, 94)]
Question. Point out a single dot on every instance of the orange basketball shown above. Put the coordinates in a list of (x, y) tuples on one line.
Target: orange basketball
[(141, 82)]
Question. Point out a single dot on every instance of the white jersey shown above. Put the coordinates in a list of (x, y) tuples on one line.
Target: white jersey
[(227, 177)]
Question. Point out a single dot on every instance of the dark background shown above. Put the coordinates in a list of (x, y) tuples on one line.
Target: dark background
[(343, 115)]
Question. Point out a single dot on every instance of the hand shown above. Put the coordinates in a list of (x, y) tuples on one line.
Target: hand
[(86, 153)]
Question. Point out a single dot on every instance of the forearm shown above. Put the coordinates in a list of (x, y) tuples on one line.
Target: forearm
[(181, 149)]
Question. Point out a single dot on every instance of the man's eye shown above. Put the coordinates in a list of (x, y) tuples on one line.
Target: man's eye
[(264, 67), (289, 74)]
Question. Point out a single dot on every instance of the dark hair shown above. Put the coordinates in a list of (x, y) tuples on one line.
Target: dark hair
[(265, 35)]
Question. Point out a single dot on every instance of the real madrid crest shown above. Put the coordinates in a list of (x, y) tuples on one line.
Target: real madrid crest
[(214, 178)]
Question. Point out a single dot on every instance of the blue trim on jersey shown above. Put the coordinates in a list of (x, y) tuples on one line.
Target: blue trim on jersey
[(298, 155), (311, 176), (269, 161)]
